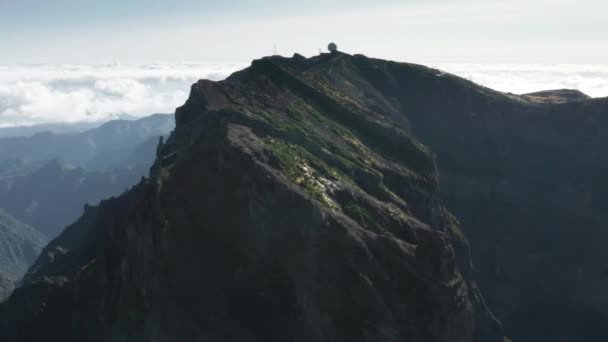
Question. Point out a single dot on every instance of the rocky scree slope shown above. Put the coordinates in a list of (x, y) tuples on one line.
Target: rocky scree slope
[(290, 204)]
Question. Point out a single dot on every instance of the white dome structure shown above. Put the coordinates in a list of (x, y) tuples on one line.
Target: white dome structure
[(332, 47)]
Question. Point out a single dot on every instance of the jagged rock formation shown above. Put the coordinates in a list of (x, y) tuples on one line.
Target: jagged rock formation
[(103, 148), (292, 203), (20, 245)]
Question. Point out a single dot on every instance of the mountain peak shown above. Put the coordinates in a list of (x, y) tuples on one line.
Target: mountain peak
[(300, 199), (298, 178)]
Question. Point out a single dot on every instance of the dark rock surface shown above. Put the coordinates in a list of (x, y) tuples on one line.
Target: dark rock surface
[(292, 203), (20, 245), (528, 183)]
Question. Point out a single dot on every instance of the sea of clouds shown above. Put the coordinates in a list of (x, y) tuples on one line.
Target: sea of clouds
[(37, 94), (527, 78)]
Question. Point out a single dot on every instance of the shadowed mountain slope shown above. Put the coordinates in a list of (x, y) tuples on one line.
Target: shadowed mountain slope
[(528, 182), (20, 245)]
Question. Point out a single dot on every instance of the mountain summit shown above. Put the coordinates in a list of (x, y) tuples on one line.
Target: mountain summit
[(300, 200), (290, 203)]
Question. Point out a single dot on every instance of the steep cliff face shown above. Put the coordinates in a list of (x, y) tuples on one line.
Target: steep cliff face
[(291, 203), (527, 180)]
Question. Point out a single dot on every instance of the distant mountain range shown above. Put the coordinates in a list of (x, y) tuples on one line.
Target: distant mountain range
[(46, 179), (51, 195), (40, 185), (20, 245), (58, 128), (101, 148)]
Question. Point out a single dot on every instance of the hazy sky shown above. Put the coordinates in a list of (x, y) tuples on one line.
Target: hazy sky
[(92, 31), (94, 60)]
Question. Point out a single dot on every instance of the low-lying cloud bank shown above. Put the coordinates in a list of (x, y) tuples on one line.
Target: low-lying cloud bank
[(93, 93), (527, 78)]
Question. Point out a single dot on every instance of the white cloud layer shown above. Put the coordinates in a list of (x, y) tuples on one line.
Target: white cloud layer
[(526, 78), (76, 93)]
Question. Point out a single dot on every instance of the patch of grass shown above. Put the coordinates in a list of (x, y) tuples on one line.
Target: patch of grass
[(303, 168), (359, 214), (305, 137), (454, 228)]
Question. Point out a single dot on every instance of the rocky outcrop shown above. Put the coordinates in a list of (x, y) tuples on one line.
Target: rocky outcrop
[(291, 203)]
